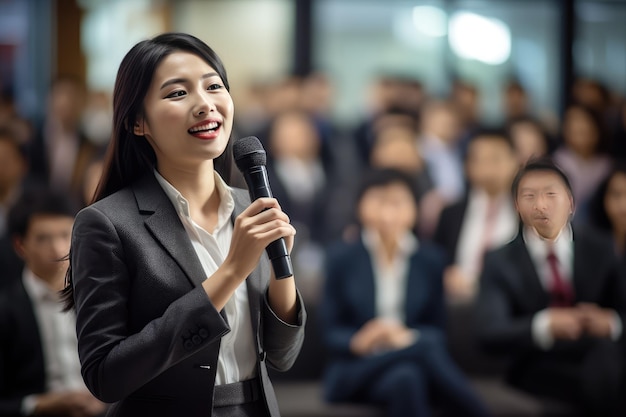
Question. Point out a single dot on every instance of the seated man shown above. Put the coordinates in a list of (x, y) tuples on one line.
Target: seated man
[(39, 367), (553, 299), (382, 311), (484, 219)]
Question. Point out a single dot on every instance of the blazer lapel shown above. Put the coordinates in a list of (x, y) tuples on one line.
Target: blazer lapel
[(165, 225), (530, 277), (362, 285), (582, 268)]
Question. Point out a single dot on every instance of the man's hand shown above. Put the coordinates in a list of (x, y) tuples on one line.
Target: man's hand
[(566, 323), (68, 403), (457, 285), (596, 321)]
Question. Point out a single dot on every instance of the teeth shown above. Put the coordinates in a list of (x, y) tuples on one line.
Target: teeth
[(208, 126)]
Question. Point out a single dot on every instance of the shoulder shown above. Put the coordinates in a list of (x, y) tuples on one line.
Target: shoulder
[(594, 241), (341, 251), (511, 250)]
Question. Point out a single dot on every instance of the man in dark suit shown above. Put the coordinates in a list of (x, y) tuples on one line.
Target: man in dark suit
[(39, 367), (484, 219), (553, 299), (383, 311)]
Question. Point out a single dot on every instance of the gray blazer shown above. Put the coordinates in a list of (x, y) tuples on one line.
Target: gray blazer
[(148, 336)]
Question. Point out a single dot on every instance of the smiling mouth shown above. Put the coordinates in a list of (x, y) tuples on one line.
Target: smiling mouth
[(208, 127)]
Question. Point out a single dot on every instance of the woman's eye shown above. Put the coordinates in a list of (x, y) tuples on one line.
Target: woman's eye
[(177, 93), (214, 87)]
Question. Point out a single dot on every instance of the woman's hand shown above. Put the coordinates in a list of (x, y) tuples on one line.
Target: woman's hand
[(256, 227)]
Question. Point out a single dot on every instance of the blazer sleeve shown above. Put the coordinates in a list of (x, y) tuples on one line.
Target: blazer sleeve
[(283, 341), (115, 361), (499, 329)]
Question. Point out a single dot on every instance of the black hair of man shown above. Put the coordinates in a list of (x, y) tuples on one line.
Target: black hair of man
[(539, 165), (37, 201), (494, 134), (384, 177)]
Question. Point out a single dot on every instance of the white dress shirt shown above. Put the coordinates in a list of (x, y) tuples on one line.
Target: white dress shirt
[(58, 338), (237, 358), (482, 230), (563, 248), (390, 280)]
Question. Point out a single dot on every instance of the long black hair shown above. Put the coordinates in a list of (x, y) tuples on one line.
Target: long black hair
[(129, 156)]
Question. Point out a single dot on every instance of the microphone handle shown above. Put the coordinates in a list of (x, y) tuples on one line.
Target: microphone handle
[(258, 187)]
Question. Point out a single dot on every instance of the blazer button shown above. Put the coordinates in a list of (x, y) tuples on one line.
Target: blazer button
[(196, 339), (188, 344), (203, 333)]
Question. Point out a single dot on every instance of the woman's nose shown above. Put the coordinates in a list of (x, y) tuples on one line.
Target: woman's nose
[(204, 105)]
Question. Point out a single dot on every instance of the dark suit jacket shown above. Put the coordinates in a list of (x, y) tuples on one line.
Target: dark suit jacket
[(22, 370), (511, 291), (349, 301), (449, 228), (148, 335)]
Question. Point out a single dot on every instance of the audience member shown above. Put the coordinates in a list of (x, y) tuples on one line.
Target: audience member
[(12, 172), (485, 219), (296, 171), (553, 299), (395, 147), (390, 94), (529, 138), (13, 169), (60, 152), (10, 118), (608, 208), (38, 346), (439, 143), (383, 311), (583, 154), (516, 102)]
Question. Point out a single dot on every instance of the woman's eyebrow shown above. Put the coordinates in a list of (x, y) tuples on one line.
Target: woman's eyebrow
[(184, 80)]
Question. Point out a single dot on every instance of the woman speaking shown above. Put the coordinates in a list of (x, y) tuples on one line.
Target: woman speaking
[(178, 312)]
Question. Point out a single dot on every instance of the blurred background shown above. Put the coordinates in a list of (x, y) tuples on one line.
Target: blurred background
[(334, 87)]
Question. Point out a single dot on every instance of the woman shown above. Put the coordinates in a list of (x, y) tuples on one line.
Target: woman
[(383, 311), (583, 155), (608, 207), (166, 325)]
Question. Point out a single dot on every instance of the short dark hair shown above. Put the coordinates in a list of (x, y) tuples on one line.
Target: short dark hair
[(495, 134), (384, 177), (539, 165), (35, 202)]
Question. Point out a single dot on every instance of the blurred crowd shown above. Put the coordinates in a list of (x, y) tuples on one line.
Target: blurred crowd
[(461, 171)]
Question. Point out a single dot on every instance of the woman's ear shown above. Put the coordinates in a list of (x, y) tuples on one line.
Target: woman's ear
[(138, 127)]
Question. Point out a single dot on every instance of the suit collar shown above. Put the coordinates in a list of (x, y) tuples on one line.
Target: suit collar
[(165, 225)]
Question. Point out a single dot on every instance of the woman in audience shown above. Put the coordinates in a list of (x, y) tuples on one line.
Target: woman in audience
[(608, 207), (582, 155)]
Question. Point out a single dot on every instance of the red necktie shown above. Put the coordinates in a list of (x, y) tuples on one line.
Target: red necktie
[(561, 292)]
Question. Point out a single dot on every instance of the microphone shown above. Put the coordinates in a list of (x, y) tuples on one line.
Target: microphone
[(250, 159)]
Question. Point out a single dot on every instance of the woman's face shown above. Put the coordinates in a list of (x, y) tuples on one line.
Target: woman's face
[(615, 201), (390, 210), (580, 132), (188, 113)]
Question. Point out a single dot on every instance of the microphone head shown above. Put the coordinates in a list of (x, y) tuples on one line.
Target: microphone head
[(248, 153)]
